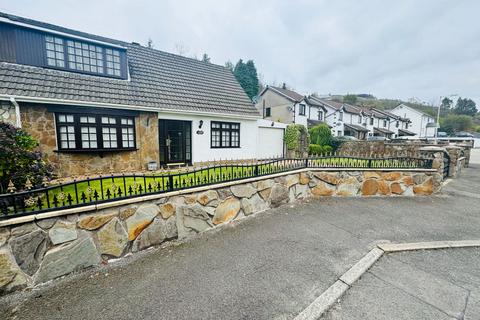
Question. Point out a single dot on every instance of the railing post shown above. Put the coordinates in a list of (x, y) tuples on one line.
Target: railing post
[(369, 163), (306, 162), (170, 181)]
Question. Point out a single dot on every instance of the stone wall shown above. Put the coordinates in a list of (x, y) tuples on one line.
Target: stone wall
[(379, 147), (7, 112), (41, 250), (37, 121)]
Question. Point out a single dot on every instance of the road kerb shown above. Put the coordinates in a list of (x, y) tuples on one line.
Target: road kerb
[(323, 302), (397, 247), (330, 296), (359, 268)]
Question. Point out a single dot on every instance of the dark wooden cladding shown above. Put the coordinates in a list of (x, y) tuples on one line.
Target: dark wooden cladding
[(30, 47), (7, 43), (27, 46)]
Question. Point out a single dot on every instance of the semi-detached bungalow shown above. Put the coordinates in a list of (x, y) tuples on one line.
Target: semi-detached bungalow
[(99, 105)]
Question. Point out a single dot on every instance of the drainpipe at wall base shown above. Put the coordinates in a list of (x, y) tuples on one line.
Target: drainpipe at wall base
[(18, 121)]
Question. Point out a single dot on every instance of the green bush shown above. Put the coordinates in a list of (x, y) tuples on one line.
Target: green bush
[(321, 135), (293, 136), (315, 149), (19, 160)]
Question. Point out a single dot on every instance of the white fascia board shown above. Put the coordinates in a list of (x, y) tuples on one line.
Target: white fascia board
[(122, 106), (26, 25)]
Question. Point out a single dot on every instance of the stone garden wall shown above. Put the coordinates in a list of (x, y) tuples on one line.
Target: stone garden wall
[(44, 249)]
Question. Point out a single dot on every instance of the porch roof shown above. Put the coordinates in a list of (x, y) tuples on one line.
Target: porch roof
[(356, 127)]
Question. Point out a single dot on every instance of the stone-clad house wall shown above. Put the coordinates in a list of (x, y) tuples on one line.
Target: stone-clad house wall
[(40, 123), (44, 249)]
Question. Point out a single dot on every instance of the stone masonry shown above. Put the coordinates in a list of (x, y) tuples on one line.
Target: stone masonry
[(40, 123), (40, 251)]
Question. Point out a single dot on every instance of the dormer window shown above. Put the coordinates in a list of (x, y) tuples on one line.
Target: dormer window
[(84, 57), (55, 52)]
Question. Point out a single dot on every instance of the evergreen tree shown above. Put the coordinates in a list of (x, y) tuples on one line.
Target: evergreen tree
[(206, 58), (247, 76), (466, 106)]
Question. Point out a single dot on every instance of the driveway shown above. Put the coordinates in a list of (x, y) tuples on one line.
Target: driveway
[(270, 266), (427, 284)]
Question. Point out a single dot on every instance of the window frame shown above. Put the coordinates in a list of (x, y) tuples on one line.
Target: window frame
[(66, 57), (320, 115), (300, 107), (340, 116), (371, 121), (99, 132), (222, 130), (268, 111)]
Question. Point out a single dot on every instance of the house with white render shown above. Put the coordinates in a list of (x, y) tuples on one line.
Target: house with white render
[(422, 124)]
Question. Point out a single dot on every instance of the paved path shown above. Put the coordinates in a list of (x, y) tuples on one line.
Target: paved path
[(431, 284), (269, 267)]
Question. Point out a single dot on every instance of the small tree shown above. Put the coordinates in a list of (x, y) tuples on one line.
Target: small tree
[(466, 106), (206, 58), (456, 122), (19, 160), (320, 135)]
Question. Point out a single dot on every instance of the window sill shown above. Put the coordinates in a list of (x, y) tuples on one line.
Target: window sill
[(95, 150)]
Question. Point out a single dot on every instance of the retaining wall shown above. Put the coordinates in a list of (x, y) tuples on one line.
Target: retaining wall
[(38, 248)]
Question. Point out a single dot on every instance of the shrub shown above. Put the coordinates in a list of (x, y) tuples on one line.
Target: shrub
[(19, 160), (321, 135), (315, 149), (292, 134)]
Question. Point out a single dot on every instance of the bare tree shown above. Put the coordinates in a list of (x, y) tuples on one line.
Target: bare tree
[(181, 49)]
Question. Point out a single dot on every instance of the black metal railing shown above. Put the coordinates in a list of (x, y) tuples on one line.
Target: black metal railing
[(116, 187)]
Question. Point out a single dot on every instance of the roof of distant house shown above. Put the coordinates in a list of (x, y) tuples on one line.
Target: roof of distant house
[(414, 108), (290, 94), (158, 80)]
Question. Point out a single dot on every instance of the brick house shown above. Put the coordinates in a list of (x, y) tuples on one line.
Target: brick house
[(99, 105)]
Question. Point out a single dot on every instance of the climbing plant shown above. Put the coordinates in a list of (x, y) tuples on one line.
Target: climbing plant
[(296, 139)]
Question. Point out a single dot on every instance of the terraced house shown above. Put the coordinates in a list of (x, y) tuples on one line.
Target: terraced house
[(101, 105)]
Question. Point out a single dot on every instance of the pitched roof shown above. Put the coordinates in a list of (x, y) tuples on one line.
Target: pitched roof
[(311, 100), (157, 79), (406, 104), (355, 127), (336, 105), (406, 132), (383, 130), (297, 97)]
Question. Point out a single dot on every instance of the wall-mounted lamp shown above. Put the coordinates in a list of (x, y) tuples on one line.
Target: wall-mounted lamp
[(200, 124)]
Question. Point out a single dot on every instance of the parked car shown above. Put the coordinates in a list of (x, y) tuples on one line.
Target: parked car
[(442, 134), (463, 134)]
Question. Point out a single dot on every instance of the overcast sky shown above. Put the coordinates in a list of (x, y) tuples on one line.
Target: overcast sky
[(394, 49)]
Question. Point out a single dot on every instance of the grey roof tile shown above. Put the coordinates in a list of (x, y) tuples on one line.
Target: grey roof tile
[(157, 79)]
